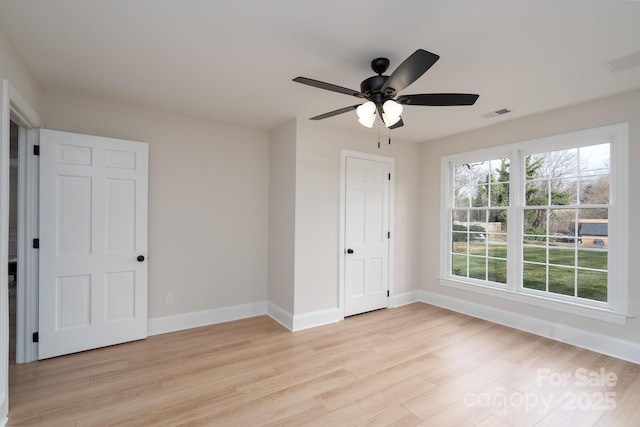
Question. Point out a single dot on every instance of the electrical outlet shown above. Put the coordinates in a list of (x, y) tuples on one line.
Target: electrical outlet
[(168, 298)]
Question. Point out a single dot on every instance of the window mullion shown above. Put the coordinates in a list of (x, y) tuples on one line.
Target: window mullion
[(515, 214)]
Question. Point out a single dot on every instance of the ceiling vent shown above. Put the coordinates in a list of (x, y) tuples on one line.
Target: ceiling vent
[(623, 63), (497, 113)]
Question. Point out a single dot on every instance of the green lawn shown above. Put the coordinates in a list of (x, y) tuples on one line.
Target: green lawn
[(562, 275)]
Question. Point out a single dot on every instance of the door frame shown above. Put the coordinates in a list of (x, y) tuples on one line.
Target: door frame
[(390, 161), (27, 198), (28, 229), (12, 107)]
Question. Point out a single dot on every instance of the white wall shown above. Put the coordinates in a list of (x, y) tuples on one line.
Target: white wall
[(13, 69), (208, 201), (318, 208), (282, 218), (616, 109)]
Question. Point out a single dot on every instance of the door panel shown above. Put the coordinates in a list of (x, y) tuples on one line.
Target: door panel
[(366, 235), (93, 226)]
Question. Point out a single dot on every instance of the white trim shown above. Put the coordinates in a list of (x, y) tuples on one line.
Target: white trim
[(4, 247), (4, 421), (27, 298), (406, 298), (390, 161), (600, 343), (280, 315), (21, 112), (540, 301), (11, 105), (316, 318), (196, 319)]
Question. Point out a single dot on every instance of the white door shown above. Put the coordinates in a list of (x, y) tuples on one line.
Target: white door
[(366, 265), (93, 242)]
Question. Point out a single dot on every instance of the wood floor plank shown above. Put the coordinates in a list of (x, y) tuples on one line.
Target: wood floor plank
[(413, 365)]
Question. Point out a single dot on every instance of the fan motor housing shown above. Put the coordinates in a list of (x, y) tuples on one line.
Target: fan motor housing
[(372, 85)]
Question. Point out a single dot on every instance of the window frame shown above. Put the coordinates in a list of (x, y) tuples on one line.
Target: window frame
[(615, 309)]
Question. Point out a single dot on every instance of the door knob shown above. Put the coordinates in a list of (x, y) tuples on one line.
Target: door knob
[(140, 258), (349, 251)]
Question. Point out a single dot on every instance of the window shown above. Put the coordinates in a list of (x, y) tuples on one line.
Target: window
[(542, 222), (479, 220)]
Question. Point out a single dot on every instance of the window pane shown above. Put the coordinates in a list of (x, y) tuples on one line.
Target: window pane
[(593, 227), (480, 196), (594, 190), (562, 280), (537, 193), (478, 248), (535, 222), (592, 285), (496, 249), (460, 246), (478, 216), (596, 258), (459, 265), (500, 170), (564, 191), (557, 164), (462, 197), (562, 225), (497, 270), (460, 216), (562, 256), (461, 176), (595, 159), (498, 220), (499, 194), (478, 268), (534, 253), (534, 276)]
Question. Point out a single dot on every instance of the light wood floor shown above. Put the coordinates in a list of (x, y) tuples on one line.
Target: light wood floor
[(414, 365)]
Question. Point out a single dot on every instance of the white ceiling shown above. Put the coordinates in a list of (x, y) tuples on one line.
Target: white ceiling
[(233, 61)]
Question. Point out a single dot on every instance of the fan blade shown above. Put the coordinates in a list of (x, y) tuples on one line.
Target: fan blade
[(328, 86), (398, 124), (438, 99), (409, 71), (335, 112)]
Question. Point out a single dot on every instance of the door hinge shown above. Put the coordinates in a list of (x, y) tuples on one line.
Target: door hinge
[(36, 243), (387, 293), (389, 177), (36, 150), (388, 234), (35, 337)]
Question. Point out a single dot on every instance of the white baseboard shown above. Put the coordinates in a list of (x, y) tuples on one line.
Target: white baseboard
[(316, 318), (280, 315), (179, 322), (405, 299), (604, 344)]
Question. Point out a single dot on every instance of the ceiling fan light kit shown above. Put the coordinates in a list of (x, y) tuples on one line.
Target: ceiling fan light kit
[(392, 111), (380, 92), (366, 114)]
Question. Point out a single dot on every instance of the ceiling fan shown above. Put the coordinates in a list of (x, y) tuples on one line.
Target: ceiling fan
[(381, 92)]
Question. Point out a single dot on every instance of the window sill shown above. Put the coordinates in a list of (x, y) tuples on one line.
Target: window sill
[(596, 313)]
